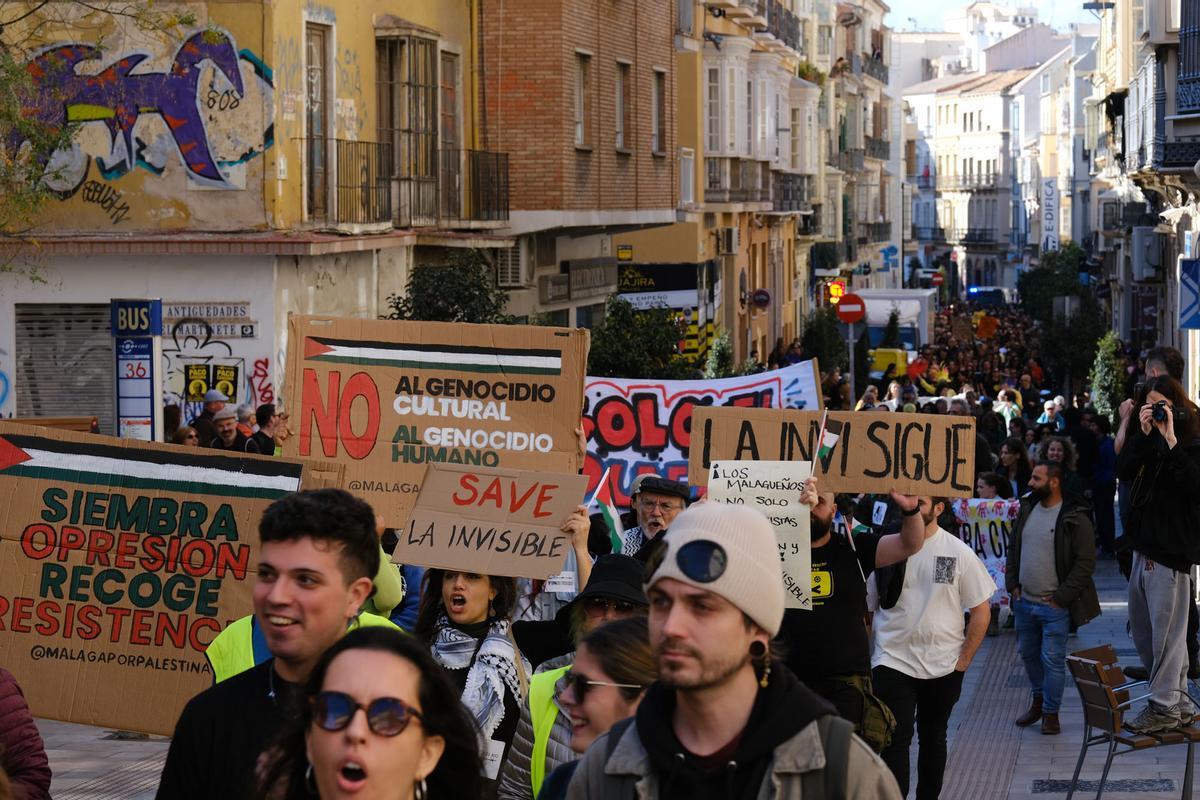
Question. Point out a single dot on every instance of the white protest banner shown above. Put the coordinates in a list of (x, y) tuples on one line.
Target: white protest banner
[(773, 487), (985, 525), (645, 426)]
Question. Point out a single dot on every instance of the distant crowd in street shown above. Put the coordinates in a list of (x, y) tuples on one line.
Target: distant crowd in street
[(219, 426)]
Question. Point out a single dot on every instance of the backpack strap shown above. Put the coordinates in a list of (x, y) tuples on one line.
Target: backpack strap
[(829, 783)]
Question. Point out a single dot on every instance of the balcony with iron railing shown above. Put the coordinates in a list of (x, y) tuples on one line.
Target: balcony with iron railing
[(784, 25), (791, 192), (972, 235), (810, 224), (921, 181), (933, 233), (463, 189), (873, 67), (869, 232), (982, 181), (878, 148), (736, 180), (848, 160), (359, 173)]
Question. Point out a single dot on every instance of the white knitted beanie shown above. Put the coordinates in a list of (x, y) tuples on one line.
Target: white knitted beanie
[(752, 580)]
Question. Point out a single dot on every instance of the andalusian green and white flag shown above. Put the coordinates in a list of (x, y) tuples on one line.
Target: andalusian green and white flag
[(831, 431), (608, 509), (114, 466)]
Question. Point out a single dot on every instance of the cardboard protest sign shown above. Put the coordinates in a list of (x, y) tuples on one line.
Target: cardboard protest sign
[(387, 398), (963, 329), (986, 526), (875, 451), (120, 561), (491, 521), (773, 487), (645, 426)]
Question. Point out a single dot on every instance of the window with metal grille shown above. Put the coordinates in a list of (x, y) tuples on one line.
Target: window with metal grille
[(624, 106), (406, 92), (510, 266), (658, 113)]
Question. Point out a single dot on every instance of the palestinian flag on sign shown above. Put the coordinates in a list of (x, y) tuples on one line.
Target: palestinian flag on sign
[(831, 431), (113, 466), (457, 358), (608, 509)]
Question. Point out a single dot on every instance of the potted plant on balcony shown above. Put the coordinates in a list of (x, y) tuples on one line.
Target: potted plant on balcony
[(811, 73)]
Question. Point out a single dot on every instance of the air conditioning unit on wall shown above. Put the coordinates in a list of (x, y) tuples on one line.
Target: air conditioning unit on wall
[(728, 241), (1146, 253)]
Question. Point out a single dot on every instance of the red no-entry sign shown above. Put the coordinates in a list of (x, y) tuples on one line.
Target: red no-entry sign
[(937, 279), (852, 309)]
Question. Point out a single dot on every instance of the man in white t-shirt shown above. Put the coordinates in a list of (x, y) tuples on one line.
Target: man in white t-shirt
[(920, 651)]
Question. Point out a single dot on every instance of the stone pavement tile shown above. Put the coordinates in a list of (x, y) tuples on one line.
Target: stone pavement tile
[(81, 754)]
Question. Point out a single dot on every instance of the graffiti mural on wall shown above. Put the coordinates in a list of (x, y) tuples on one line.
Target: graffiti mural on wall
[(193, 95), (194, 341), (5, 385)]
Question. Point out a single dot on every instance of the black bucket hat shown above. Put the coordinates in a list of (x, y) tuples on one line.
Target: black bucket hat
[(614, 576)]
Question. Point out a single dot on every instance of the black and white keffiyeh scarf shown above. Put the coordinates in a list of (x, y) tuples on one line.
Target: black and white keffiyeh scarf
[(495, 667)]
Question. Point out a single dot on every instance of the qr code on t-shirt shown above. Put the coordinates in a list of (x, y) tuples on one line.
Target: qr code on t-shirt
[(943, 571)]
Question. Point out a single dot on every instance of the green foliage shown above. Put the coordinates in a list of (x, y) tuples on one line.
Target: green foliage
[(719, 362), (462, 291), (891, 333), (822, 339), (1107, 378), (811, 73), (638, 344), (1058, 275), (1069, 345)]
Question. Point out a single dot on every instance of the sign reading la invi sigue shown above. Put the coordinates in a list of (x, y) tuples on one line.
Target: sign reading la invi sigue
[(387, 398), (120, 561)]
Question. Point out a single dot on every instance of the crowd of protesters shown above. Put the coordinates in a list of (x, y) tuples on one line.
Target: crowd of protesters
[(219, 426)]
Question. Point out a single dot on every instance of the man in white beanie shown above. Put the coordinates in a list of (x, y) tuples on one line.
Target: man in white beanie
[(725, 720)]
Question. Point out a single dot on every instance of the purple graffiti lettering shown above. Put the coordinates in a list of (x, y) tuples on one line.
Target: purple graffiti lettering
[(57, 94)]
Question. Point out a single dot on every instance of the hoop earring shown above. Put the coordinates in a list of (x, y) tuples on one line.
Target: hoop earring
[(420, 790), (309, 783)]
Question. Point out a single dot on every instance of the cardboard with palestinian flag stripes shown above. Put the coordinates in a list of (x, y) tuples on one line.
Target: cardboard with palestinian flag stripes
[(120, 561), (388, 398), (851, 451)]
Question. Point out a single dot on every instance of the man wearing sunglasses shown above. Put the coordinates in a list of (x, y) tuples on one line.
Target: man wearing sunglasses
[(656, 503), (543, 737), (319, 551), (724, 718)]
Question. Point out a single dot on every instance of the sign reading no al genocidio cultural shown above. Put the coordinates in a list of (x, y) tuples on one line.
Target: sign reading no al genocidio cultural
[(387, 398)]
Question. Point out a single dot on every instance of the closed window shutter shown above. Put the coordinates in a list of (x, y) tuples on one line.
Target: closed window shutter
[(64, 362), (509, 269)]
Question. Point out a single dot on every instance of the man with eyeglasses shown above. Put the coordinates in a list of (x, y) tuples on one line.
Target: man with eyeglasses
[(543, 737), (657, 502), (318, 554), (724, 718)]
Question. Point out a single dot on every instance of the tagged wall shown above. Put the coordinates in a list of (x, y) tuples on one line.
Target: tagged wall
[(206, 304), (172, 125)]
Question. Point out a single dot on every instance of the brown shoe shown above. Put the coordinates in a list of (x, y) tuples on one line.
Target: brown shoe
[(1033, 714), (1050, 726)]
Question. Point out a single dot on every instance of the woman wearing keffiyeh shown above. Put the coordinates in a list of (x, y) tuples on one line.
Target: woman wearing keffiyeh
[(464, 617)]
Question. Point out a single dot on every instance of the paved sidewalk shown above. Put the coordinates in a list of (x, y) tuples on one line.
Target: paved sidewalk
[(992, 759)]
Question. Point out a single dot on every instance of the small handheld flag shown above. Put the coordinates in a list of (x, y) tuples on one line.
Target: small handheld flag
[(608, 509), (831, 431)]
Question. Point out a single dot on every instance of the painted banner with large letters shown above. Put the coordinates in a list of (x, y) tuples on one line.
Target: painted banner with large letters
[(635, 427), (120, 561), (986, 525)]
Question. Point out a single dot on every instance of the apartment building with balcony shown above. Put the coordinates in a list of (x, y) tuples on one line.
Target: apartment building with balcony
[(257, 161), (749, 192), (1144, 120), (584, 99)]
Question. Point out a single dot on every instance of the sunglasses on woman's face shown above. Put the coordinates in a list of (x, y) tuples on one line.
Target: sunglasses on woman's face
[(581, 683), (386, 716)]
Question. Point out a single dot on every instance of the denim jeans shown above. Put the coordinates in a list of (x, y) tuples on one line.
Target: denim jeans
[(1042, 640)]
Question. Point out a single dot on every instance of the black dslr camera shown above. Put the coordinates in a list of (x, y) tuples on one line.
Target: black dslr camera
[(1159, 411)]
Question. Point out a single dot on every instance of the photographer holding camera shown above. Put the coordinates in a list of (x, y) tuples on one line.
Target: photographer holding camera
[(1161, 460)]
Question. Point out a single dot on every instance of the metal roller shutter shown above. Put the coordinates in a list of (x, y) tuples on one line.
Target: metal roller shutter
[(64, 361)]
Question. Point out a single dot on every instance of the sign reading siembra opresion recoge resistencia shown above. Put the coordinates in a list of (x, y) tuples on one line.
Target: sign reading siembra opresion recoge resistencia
[(388, 398)]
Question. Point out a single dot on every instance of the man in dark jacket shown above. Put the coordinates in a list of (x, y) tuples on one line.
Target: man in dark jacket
[(1051, 558), (22, 754), (214, 401)]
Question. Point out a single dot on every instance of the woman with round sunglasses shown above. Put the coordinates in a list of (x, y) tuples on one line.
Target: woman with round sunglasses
[(413, 738), (613, 666), (464, 619)]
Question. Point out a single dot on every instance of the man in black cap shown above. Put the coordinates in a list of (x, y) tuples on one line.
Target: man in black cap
[(543, 737), (657, 502)]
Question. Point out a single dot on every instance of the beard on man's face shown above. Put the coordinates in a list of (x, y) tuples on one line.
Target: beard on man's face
[(818, 527)]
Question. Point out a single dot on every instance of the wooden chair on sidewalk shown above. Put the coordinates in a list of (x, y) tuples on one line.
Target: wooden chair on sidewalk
[(1105, 694)]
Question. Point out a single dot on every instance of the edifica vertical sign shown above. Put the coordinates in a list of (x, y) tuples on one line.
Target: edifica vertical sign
[(1049, 214)]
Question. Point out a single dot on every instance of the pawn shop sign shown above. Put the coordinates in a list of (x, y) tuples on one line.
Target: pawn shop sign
[(852, 309)]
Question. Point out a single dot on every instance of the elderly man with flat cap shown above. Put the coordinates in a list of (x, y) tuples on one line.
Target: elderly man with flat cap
[(656, 502), (206, 429)]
